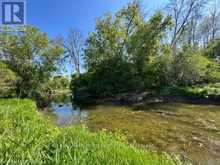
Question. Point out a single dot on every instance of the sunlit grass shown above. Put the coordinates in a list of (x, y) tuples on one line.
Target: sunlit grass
[(25, 138), (200, 91)]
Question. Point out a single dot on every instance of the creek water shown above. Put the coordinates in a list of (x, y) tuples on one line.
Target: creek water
[(191, 131)]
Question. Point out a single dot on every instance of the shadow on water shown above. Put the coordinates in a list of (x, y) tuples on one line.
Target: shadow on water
[(192, 131)]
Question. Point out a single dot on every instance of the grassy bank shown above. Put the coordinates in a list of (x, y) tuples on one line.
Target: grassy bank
[(199, 91), (25, 138)]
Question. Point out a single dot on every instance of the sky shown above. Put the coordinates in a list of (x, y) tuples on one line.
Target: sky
[(56, 17)]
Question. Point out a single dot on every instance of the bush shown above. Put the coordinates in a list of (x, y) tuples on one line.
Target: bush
[(27, 139), (159, 68), (110, 78), (197, 91), (189, 67), (213, 49), (8, 80)]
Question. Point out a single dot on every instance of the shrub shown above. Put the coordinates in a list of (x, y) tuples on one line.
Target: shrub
[(197, 91), (189, 67), (8, 80), (213, 49), (158, 68), (110, 78)]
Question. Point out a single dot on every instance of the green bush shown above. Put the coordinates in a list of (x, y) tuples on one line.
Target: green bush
[(213, 49), (110, 78), (8, 80), (197, 91), (189, 67), (27, 139), (205, 90), (158, 69), (55, 86)]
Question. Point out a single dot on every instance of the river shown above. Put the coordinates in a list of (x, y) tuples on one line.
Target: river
[(191, 131)]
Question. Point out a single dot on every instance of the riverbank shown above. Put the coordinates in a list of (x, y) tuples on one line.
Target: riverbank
[(203, 94), (28, 139)]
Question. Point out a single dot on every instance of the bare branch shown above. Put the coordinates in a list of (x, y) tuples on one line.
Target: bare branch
[(73, 48)]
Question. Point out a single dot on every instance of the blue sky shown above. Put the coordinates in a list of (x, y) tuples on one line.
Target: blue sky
[(56, 17)]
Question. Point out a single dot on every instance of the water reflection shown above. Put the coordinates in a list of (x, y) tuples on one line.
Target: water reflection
[(68, 114)]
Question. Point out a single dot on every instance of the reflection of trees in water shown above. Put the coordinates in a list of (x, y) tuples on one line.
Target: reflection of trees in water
[(70, 114)]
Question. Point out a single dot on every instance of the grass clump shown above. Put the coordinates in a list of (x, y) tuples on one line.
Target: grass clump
[(25, 138)]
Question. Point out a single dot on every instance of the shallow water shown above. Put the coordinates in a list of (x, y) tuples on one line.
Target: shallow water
[(192, 131)]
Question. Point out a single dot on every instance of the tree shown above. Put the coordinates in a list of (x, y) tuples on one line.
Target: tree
[(31, 56), (191, 34), (119, 50), (59, 83), (205, 31), (190, 67), (182, 12), (214, 21), (145, 43), (111, 37), (129, 53), (213, 49), (73, 46)]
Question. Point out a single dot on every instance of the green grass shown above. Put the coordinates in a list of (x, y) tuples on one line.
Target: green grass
[(199, 91), (25, 138), (205, 90)]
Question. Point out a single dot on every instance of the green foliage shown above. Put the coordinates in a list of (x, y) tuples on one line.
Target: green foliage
[(31, 56), (110, 78), (60, 82), (212, 90), (48, 91), (213, 52), (111, 36), (55, 85), (8, 80), (118, 52), (25, 138), (126, 53), (189, 67), (197, 91), (158, 68), (145, 43), (213, 49)]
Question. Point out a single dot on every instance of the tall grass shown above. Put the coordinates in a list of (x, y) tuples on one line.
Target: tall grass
[(25, 138)]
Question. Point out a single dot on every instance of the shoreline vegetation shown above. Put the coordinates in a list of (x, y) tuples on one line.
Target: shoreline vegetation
[(28, 139), (202, 94), (129, 59)]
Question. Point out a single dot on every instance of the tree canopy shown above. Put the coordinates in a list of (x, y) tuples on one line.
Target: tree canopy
[(129, 53), (31, 55)]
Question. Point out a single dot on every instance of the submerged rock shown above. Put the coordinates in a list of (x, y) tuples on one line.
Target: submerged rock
[(131, 98), (215, 145)]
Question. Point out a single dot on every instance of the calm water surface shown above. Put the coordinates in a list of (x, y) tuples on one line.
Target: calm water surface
[(192, 131)]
